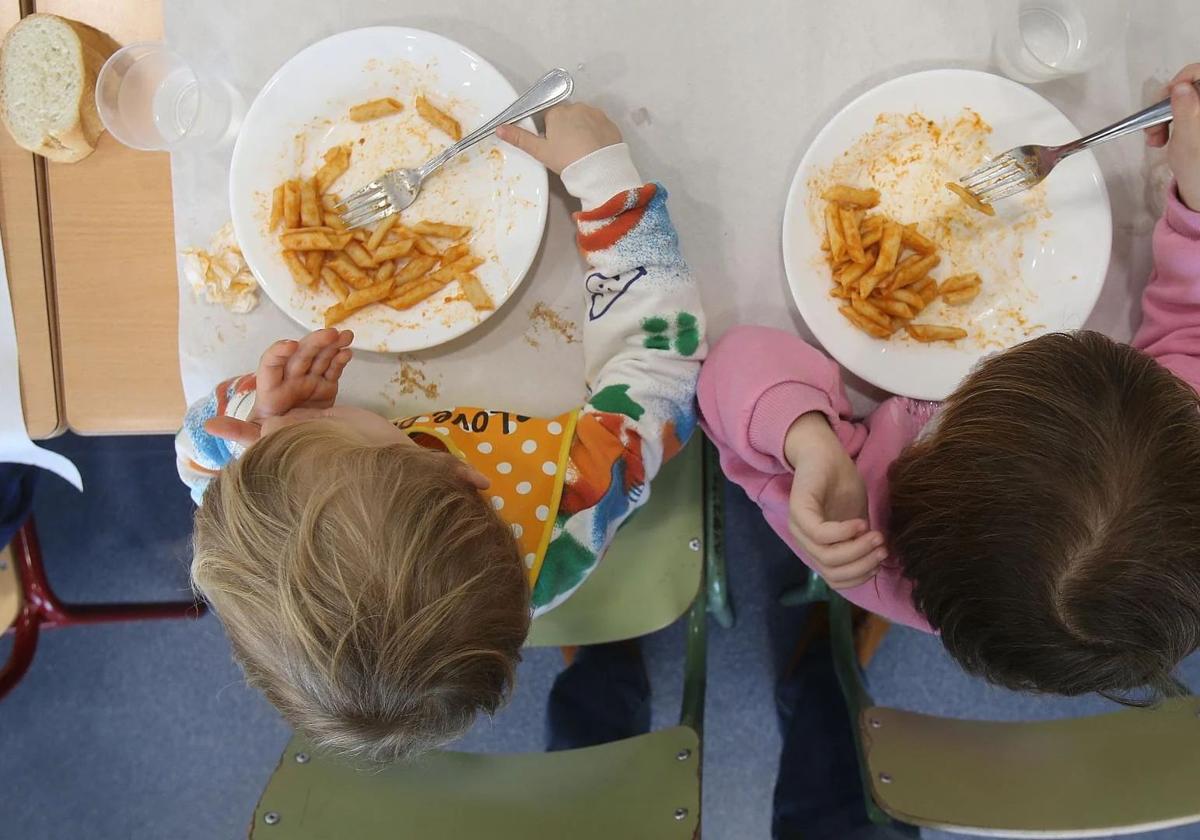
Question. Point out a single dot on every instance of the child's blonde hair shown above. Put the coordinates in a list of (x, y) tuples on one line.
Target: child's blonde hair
[(369, 591)]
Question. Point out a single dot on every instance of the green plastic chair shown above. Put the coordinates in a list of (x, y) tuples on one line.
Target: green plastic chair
[(720, 601), (1122, 772), (642, 787)]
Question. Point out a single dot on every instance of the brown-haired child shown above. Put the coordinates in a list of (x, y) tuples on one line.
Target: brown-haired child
[(1045, 519)]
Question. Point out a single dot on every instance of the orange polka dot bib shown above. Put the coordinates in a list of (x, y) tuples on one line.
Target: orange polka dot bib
[(525, 458)]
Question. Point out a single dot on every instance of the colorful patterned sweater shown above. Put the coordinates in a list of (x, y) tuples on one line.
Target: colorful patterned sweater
[(643, 339)]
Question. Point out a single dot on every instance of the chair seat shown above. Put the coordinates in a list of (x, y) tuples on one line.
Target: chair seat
[(643, 787), (1126, 771)]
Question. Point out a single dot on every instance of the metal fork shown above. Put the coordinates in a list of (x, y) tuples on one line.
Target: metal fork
[(1026, 166), (395, 190)]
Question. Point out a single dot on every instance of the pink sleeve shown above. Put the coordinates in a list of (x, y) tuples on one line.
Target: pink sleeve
[(1170, 330), (754, 385)]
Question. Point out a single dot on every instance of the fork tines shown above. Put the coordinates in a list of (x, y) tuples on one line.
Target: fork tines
[(998, 179), (366, 206)]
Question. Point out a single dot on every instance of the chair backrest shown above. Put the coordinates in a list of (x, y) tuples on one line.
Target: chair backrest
[(643, 787), (1118, 773), (1128, 771), (10, 589), (651, 572)]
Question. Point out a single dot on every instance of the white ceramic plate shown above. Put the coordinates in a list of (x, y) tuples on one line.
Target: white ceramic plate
[(302, 111), (1058, 264)]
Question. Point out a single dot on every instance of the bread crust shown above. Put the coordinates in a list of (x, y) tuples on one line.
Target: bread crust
[(78, 141)]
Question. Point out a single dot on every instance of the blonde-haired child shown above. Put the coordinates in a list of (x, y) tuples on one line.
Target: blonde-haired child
[(377, 577)]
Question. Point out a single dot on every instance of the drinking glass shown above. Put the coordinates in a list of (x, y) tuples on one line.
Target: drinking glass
[(1049, 39), (150, 98)]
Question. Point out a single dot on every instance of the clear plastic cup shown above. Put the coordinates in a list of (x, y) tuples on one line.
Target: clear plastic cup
[(1050, 39), (150, 98)]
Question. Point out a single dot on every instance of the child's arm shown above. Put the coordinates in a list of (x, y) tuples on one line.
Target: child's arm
[(778, 413), (757, 382), (1170, 329), (643, 338), (290, 375)]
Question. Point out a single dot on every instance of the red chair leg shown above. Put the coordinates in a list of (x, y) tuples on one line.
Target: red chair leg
[(54, 613), (42, 608), (24, 644)]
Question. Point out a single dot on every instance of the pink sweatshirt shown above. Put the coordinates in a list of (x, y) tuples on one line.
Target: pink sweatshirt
[(757, 381)]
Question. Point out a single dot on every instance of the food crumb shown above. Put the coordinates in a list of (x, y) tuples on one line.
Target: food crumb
[(411, 379), (543, 316)]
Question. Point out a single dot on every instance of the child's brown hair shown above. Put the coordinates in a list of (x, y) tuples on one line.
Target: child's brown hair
[(369, 591), (1050, 523)]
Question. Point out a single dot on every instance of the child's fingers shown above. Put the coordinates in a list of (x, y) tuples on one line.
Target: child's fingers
[(856, 574), (272, 362), (310, 347), (1158, 135), (279, 352), (1185, 113), (1184, 152), (1190, 73), (323, 359), (232, 429), (819, 533), (329, 352), (808, 523), (526, 141), (338, 364), (848, 553)]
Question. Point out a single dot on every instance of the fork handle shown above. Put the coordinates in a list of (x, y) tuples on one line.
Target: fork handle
[(549, 90), (1145, 118)]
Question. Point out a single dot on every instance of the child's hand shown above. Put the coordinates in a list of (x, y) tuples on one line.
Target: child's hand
[(828, 507), (572, 132), (301, 374), (291, 374), (1183, 150)]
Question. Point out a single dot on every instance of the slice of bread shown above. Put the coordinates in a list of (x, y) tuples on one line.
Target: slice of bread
[(48, 67)]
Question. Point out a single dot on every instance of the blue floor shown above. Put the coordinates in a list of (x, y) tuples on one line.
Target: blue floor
[(146, 731)]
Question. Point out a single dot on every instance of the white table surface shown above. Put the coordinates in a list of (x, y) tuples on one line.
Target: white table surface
[(718, 101)]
